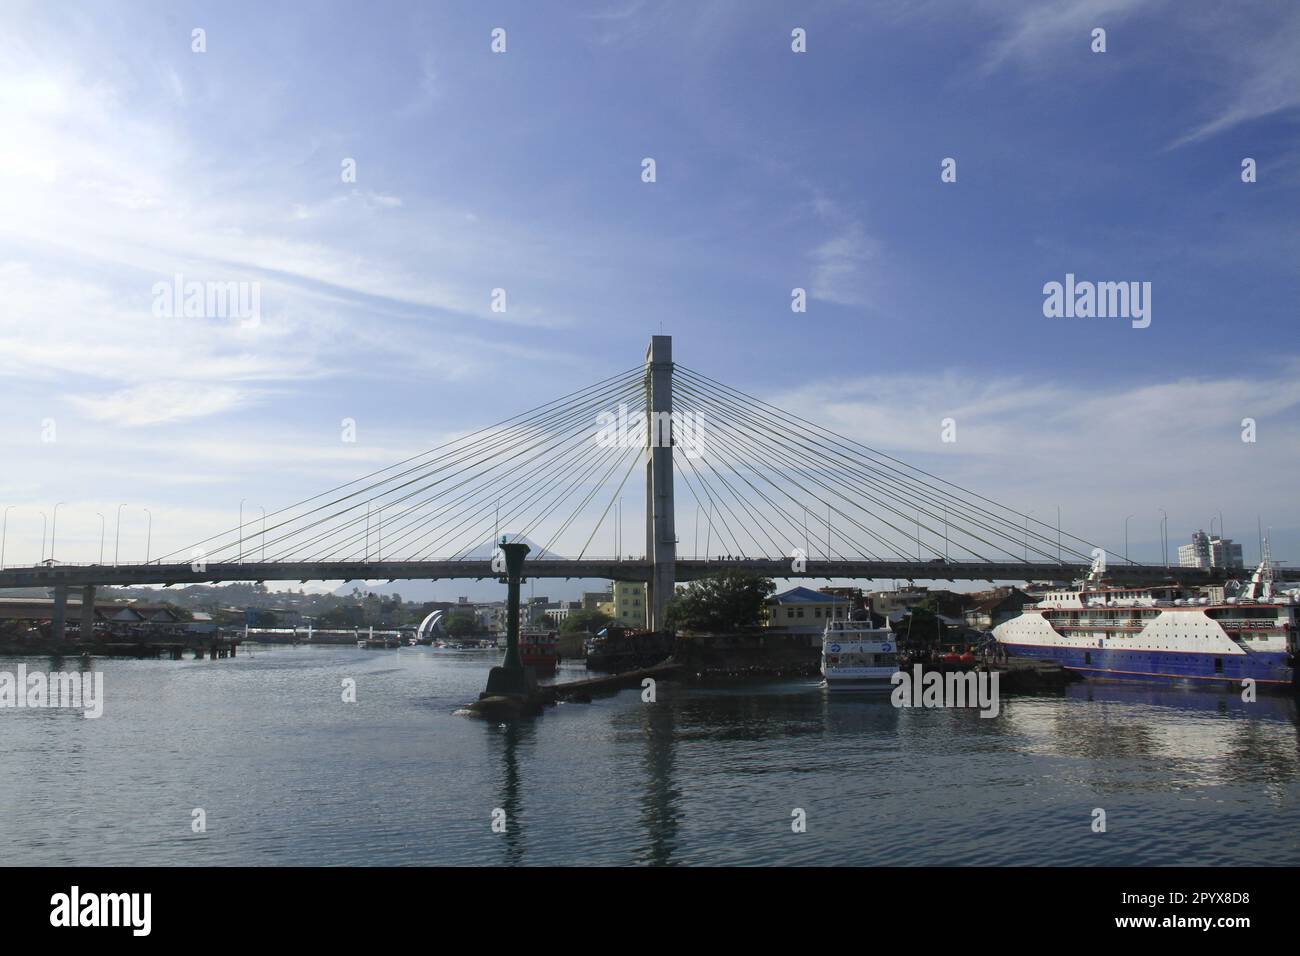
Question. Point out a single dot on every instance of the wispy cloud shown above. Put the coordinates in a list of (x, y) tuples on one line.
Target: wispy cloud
[(1038, 31), (1258, 67), (845, 267), (1098, 451)]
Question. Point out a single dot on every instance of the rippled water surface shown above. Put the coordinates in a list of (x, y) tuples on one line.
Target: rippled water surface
[(289, 774)]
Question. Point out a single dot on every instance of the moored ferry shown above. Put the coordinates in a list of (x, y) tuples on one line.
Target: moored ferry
[(857, 656), (1162, 633), (539, 650)]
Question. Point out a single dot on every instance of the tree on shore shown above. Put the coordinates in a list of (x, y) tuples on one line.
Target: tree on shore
[(461, 624), (725, 601)]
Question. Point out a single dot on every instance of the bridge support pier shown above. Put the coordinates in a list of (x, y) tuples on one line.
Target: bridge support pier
[(87, 613), (661, 529), (59, 621)]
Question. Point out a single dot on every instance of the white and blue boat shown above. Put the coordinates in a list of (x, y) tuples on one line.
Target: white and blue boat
[(1162, 633), (857, 656)]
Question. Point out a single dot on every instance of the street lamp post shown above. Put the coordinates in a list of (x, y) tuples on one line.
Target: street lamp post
[(263, 533), (102, 525), (44, 525), (148, 535), (54, 528), (1058, 534), (1126, 521), (1164, 536), (4, 534), (117, 533), (241, 530), (697, 531)]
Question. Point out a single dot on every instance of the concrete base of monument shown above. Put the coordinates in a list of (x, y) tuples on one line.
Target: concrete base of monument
[(512, 680), (511, 694), (506, 706)]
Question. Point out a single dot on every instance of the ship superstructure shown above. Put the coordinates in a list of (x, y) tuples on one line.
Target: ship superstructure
[(1163, 632)]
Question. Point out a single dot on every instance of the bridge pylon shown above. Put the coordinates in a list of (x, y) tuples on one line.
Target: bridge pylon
[(661, 528)]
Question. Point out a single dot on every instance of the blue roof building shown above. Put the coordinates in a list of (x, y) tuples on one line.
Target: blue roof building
[(802, 610)]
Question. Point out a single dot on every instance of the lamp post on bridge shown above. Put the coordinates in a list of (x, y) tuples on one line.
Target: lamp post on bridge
[(148, 535), (101, 536), (1126, 521), (945, 534), (117, 533), (3, 535), (54, 528), (1164, 536)]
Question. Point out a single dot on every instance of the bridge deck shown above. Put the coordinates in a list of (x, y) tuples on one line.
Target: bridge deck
[(73, 576)]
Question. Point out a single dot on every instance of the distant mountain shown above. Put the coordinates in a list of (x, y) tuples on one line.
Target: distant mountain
[(488, 589)]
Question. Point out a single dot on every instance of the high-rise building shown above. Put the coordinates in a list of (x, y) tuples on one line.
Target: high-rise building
[(1196, 554), (1225, 553), (1208, 552)]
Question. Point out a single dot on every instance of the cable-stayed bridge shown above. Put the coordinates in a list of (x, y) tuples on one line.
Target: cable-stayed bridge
[(768, 491)]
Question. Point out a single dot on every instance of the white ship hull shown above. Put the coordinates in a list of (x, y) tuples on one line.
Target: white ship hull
[(858, 657), (1174, 644)]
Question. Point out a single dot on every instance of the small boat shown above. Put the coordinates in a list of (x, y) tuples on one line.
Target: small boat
[(857, 656), (540, 650), (378, 643)]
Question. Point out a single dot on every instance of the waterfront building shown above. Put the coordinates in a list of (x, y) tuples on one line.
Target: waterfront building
[(557, 614), (1206, 551), (629, 603), (899, 602), (592, 600), (856, 597), (991, 608), (802, 610)]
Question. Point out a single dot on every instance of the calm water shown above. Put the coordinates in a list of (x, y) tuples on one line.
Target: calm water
[(289, 774)]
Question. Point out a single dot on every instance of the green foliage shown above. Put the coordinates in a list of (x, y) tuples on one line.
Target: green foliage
[(587, 622), (721, 602), (461, 624), (263, 618), (343, 616)]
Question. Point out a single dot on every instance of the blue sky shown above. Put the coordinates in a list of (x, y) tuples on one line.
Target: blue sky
[(129, 158)]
